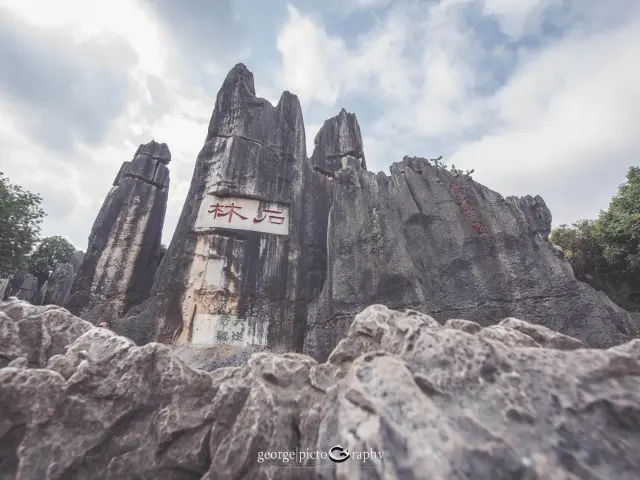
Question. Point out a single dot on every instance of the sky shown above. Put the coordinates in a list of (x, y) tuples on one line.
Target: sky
[(538, 96)]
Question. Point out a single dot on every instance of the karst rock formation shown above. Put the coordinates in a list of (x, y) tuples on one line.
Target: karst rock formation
[(454, 401), (118, 269), (278, 251), (57, 288)]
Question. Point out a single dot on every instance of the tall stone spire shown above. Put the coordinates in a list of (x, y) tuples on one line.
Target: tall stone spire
[(221, 283), (118, 269)]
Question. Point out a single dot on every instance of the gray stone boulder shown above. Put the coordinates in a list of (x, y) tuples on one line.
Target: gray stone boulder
[(458, 401), (117, 272)]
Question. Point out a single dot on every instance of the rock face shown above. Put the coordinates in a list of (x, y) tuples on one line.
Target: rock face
[(443, 244), (60, 282), (118, 269), (221, 287), (338, 138), (276, 251), (459, 401), (22, 285), (4, 284)]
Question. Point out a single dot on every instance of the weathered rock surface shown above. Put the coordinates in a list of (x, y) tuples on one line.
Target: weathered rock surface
[(513, 400), (22, 285), (338, 138), (4, 284), (276, 251), (425, 239), (221, 287), (58, 286), (118, 269)]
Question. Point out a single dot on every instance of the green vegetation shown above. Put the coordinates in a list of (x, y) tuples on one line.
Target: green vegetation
[(606, 252), (20, 219), (50, 251)]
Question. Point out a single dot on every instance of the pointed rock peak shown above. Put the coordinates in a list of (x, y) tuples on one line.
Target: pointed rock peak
[(289, 106), (153, 149), (338, 137), (240, 74)]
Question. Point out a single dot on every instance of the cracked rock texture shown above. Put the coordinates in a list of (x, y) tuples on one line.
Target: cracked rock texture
[(425, 239), (452, 401), (252, 150), (419, 238), (57, 288), (118, 269), (22, 285)]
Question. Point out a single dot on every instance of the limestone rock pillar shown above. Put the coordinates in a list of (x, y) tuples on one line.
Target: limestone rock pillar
[(118, 268)]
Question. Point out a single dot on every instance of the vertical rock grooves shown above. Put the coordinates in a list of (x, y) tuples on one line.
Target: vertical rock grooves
[(420, 238), (118, 269)]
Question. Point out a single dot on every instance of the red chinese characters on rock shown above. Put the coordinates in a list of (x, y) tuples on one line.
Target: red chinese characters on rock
[(460, 197), (275, 217), (217, 211)]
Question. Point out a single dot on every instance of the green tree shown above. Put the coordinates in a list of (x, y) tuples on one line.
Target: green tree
[(619, 227), (606, 252), (49, 252), (20, 219)]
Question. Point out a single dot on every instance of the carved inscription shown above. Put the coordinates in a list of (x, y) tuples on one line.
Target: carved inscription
[(211, 329), (243, 214), (459, 195)]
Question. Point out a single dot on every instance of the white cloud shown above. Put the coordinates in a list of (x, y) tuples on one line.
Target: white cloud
[(309, 60), (566, 109), (517, 17), (74, 185)]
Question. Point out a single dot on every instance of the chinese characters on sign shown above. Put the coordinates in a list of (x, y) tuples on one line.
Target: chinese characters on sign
[(210, 329), (243, 214), (276, 217)]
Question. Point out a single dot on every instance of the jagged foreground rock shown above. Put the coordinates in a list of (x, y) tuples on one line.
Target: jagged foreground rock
[(458, 401), (118, 269), (277, 251)]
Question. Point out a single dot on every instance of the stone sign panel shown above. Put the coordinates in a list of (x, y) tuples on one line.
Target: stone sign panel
[(228, 329), (243, 214)]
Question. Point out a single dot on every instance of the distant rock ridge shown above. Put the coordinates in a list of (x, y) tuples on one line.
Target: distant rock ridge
[(277, 251), (118, 269)]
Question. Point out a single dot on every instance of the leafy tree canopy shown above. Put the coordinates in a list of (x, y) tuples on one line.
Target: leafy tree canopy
[(606, 252), (49, 252), (20, 219)]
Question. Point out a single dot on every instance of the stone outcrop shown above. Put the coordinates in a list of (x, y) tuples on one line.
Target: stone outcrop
[(118, 269), (338, 138), (60, 282), (22, 285), (425, 239), (221, 287), (276, 251), (455, 401), (4, 284)]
